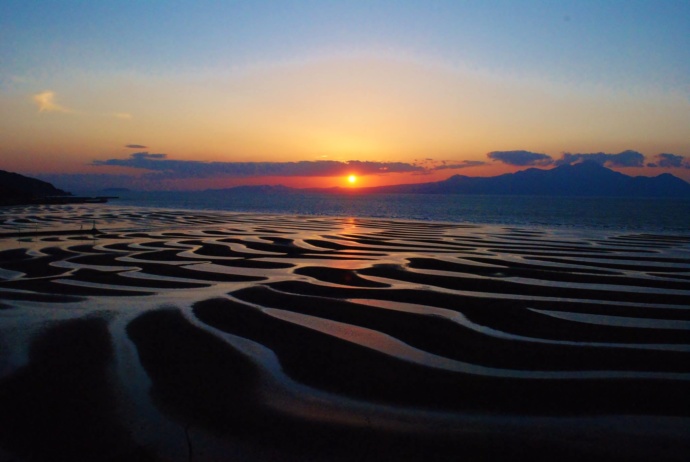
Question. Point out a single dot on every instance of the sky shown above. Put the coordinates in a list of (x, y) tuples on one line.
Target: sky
[(207, 94)]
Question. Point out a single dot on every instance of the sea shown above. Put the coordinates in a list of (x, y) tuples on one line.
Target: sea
[(657, 215)]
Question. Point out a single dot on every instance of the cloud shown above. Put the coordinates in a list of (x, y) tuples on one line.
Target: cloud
[(666, 160), (627, 158), (429, 165), (46, 102), (135, 146), (160, 167), (461, 164), (521, 158), (146, 155)]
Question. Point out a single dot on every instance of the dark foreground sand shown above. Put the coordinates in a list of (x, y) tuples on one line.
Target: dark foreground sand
[(174, 335)]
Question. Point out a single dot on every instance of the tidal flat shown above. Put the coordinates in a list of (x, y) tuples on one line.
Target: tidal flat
[(129, 333)]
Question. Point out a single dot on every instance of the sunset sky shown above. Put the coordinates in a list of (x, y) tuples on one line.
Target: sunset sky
[(200, 94)]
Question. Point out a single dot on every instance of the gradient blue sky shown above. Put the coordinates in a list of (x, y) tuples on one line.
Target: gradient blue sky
[(418, 89)]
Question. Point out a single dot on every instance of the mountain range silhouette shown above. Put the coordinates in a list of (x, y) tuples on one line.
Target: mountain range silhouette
[(583, 179)]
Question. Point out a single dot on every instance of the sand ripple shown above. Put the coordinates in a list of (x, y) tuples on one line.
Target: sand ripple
[(247, 323)]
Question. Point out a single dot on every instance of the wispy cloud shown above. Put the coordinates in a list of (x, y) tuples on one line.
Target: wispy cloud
[(46, 103), (521, 158), (135, 146), (430, 165), (457, 165)]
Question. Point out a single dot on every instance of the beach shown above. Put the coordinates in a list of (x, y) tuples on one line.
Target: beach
[(129, 333)]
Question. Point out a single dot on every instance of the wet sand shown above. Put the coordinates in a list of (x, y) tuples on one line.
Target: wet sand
[(179, 335)]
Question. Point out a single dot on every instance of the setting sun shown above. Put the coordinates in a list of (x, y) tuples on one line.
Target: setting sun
[(352, 179)]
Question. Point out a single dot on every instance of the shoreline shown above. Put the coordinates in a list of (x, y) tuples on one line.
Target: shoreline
[(56, 200)]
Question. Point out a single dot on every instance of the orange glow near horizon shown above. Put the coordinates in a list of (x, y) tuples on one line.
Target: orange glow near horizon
[(396, 110)]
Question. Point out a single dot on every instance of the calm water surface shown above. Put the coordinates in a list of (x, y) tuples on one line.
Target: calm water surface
[(650, 215)]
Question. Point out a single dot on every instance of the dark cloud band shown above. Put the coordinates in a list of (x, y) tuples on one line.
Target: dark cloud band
[(666, 160), (627, 158), (521, 158), (162, 167), (158, 166)]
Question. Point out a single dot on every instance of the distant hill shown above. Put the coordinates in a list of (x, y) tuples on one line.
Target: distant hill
[(584, 179), (20, 189)]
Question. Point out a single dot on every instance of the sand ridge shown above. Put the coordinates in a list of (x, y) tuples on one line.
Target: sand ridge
[(377, 338)]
